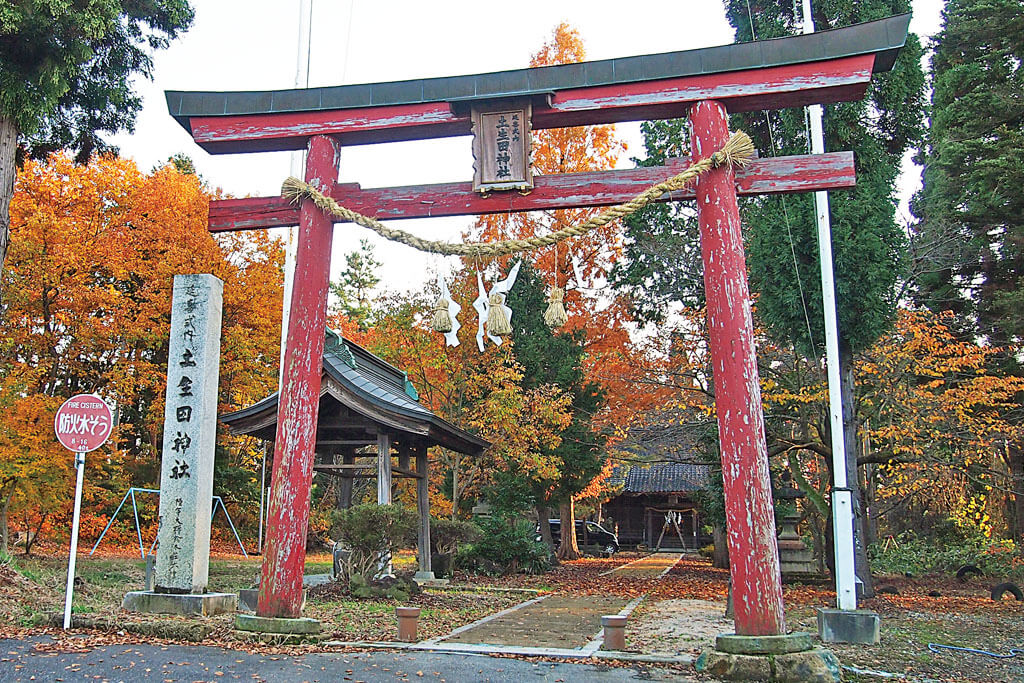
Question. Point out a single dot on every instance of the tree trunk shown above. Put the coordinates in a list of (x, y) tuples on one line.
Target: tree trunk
[(544, 523), (8, 148), (847, 387), (720, 556), (1015, 464), (6, 493), (455, 487), (568, 549), (32, 536)]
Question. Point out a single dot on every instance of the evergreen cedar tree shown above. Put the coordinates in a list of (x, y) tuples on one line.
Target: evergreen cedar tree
[(89, 280), (662, 261), (66, 74), (969, 242), (354, 287)]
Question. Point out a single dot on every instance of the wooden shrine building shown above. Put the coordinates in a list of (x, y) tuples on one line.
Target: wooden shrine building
[(368, 409), (646, 497)]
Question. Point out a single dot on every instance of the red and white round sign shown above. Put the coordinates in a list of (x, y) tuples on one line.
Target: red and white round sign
[(83, 423)]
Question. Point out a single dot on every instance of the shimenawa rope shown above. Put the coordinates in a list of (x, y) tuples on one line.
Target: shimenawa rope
[(738, 151)]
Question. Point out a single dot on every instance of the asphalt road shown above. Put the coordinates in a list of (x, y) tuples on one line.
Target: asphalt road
[(36, 660)]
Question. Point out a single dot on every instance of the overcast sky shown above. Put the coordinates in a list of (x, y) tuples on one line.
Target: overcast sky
[(252, 45)]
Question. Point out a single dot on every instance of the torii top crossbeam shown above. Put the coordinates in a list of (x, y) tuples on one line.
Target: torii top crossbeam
[(826, 67)]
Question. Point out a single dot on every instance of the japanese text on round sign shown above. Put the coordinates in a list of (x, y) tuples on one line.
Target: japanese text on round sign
[(83, 423)]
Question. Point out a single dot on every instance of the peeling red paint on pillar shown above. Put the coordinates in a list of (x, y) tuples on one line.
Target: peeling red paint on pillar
[(284, 555), (753, 553)]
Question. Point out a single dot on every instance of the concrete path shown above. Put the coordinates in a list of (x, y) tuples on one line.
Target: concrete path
[(562, 622)]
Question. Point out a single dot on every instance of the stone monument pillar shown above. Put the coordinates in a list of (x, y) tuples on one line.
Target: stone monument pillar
[(186, 478)]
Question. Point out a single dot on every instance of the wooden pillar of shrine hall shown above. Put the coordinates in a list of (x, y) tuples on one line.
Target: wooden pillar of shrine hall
[(750, 520), (284, 556)]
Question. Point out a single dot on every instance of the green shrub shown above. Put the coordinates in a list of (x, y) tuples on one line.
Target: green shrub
[(506, 546), (448, 535), (371, 533), (917, 556)]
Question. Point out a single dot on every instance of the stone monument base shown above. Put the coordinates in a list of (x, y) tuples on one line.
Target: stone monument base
[(202, 604), (428, 579), (848, 626), (790, 658), (277, 625)]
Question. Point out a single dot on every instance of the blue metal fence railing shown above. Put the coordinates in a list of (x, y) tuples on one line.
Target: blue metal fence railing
[(217, 500)]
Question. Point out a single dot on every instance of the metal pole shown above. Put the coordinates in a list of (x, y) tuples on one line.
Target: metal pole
[(842, 498), (218, 499), (112, 518), (298, 164), (138, 529), (69, 592)]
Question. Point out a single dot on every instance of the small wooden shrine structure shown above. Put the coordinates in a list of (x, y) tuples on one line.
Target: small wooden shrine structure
[(368, 408), (648, 494)]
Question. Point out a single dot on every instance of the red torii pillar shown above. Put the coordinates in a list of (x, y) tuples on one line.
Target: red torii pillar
[(284, 555), (750, 519)]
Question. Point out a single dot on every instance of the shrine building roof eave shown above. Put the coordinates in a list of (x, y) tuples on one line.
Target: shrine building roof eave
[(356, 390), (260, 419), (881, 38)]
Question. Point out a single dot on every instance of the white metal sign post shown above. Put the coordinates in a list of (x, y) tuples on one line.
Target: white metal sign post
[(82, 424)]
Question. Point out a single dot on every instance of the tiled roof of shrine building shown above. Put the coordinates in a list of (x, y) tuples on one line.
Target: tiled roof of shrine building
[(661, 478), (358, 386)]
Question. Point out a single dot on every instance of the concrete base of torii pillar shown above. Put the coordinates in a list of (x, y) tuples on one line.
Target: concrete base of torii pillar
[(789, 658)]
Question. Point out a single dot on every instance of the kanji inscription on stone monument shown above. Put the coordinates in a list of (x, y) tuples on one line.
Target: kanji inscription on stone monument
[(190, 425)]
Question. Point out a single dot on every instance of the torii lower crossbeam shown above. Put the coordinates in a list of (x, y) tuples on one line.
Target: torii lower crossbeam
[(772, 175)]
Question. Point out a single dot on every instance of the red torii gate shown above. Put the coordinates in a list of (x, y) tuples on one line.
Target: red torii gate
[(825, 67)]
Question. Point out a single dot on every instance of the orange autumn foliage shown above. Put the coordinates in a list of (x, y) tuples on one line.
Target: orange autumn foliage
[(481, 393), (87, 309), (581, 265)]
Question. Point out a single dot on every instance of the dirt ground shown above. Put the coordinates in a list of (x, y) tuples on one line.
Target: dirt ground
[(677, 626)]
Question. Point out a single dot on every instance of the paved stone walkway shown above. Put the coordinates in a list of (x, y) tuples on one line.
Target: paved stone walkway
[(652, 566), (561, 621)]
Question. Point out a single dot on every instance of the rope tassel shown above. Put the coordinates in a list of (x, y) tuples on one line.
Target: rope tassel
[(498, 324), (555, 315), (442, 321)]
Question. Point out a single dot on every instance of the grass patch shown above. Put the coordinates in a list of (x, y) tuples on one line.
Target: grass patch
[(32, 595)]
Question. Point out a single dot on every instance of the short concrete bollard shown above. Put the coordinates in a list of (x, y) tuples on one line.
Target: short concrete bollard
[(614, 632), (408, 620)]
